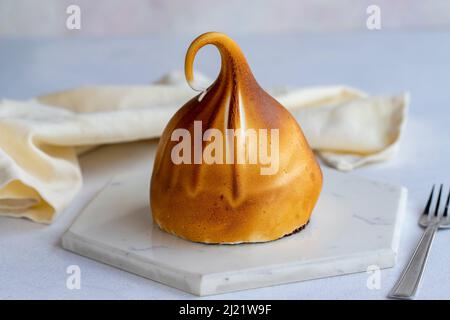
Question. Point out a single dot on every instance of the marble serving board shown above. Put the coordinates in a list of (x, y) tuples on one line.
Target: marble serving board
[(355, 224)]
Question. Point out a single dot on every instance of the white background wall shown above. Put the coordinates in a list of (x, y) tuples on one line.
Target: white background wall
[(137, 17)]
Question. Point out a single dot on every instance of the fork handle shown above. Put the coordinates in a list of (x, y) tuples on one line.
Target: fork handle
[(409, 281)]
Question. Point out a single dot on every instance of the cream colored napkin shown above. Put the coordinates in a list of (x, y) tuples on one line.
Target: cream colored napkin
[(41, 139)]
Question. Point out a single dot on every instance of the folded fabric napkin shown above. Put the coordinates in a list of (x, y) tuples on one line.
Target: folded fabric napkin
[(41, 138)]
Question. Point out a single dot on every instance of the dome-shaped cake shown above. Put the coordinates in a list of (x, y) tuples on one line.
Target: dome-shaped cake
[(232, 165)]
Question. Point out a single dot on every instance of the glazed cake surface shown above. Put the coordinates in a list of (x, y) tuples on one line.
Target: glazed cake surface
[(239, 200)]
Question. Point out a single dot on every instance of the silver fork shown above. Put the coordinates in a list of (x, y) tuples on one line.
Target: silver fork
[(406, 286)]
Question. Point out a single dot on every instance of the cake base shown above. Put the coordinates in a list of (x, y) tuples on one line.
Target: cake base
[(296, 230), (239, 243)]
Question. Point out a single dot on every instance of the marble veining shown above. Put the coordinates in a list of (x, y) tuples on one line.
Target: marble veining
[(356, 224)]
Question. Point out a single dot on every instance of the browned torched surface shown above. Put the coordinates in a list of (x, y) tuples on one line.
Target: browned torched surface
[(233, 203)]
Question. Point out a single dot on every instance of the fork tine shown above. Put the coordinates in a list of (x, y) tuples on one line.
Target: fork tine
[(427, 208), (436, 211), (446, 204)]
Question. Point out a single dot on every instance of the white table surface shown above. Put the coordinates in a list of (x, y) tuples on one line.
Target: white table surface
[(32, 262)]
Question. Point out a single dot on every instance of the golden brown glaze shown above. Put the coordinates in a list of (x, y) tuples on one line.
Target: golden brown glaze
[(233, 203)]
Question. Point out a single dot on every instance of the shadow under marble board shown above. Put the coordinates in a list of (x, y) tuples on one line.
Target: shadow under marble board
[(355, 224)]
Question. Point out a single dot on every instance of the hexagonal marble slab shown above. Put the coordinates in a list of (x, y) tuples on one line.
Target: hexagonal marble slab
[(355, 224)]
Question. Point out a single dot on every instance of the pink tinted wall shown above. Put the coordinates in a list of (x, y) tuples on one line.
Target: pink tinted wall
[(137, 17)]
